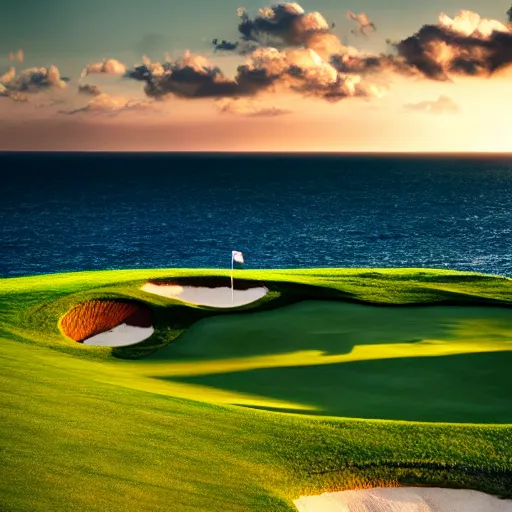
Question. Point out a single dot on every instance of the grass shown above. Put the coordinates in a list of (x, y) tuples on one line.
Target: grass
[(92, 429), (316, 357)]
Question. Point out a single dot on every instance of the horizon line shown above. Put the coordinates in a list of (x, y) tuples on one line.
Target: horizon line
[(4, 152)]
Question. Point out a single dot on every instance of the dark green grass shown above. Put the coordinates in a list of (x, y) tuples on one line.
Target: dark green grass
[(82, 430), (469, 388), (335, 328), (448, 364)]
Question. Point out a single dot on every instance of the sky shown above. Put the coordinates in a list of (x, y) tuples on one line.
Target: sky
[(117, 75)]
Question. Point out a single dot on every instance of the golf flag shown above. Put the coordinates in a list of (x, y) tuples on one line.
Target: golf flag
[(237, 256)]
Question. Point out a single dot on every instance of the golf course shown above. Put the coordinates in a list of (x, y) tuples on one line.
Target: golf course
[(315, 381)]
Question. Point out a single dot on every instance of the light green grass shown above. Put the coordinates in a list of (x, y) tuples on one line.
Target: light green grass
[(84, 430)]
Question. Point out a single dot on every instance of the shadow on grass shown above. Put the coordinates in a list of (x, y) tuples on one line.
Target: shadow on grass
[(468, 388), (334, 328)]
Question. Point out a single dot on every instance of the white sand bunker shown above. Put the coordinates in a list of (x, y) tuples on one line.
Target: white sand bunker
[(218, 297), (122, 335), (403, 499)]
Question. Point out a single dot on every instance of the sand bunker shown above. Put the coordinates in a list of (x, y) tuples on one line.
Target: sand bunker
[(111, 323), (120, 336), (403, 499), (218, 296)]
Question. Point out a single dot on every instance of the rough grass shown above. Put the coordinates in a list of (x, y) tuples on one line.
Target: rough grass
[(84, 430)]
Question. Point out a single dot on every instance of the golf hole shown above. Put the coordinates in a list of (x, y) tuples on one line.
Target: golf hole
[(214, 292), (108, 323)]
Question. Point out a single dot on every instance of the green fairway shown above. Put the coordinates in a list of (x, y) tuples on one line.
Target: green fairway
[(159, 426)]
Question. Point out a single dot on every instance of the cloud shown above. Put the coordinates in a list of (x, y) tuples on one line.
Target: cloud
[(281, 26), (110, 105), (364, 25), (107, 66), (470, 24), (8, 76), (286, 23), (303, 71), (193, 76), (34, 80), (465, 45), (13, 95), (375, 65), (443, 105), (248, 108), (267, 70), (224, 45), (91, 90)]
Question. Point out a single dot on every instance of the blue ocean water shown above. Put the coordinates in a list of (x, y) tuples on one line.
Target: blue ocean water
[(68, 212)]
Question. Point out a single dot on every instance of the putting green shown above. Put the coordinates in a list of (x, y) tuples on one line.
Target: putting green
[(448, 364)]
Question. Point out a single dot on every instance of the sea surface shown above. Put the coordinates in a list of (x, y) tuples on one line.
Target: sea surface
[(67, 212)]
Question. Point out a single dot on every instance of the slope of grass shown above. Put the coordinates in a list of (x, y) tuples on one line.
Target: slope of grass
[(84, 430), (32, 306)]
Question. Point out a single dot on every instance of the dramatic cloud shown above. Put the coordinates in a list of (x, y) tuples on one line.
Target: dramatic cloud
[(110, 105), (465, 45), (107, 66), (91, 90), (281, 26), (283, 23), (267, 69), (364, 25), (291, 51), (443, 105), (34, 80), (248, 108), (470, 24), (302, 71), (193, 76)]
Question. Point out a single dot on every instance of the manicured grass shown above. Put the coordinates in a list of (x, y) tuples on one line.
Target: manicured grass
[(85, 429), (349, 360)]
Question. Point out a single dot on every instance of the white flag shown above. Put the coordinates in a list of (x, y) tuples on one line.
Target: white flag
[(238, 256)]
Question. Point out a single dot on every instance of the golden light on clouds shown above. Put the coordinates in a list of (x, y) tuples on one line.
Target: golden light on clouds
[(444, 88)]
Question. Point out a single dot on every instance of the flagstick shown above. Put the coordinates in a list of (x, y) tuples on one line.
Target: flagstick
[(232, 286)]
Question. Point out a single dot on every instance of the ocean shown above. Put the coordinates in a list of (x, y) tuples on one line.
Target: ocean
[(63, 212)]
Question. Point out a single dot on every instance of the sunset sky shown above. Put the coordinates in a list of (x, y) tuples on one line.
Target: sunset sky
[(442, 86)]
